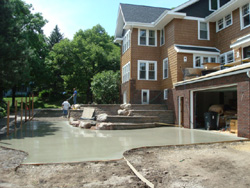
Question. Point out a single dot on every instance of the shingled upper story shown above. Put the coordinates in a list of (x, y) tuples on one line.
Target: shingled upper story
[(158, 45), (168, 55)]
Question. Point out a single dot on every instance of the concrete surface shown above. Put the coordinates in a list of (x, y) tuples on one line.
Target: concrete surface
[(54, 142)]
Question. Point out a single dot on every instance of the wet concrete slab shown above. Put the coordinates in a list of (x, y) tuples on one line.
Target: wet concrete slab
[(56, 142)]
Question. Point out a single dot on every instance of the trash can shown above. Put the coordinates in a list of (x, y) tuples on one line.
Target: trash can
[(211, 120)]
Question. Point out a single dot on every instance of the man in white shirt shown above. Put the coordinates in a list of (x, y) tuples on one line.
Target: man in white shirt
[(65, 106)]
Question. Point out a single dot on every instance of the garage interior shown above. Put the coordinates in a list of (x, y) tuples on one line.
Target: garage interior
[(216, 109)]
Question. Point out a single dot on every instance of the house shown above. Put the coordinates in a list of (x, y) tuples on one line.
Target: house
[(190, 57)]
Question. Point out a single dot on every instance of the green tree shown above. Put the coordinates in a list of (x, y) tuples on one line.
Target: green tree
[(55, 37), (105, 87), (74, 63), (23, 44)]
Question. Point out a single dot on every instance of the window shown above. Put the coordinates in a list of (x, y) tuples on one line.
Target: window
[(246, 52), (214, 5), (197, 62), (126, 42), (220, 24), (224, 22), (165, 94), (200, 59), (165, 68), (126, 72), (147, 70), (143, 36), (228, 20), (162, 37), (245, 16), (151, 38), (203, 31), (147, 37), (227, 57)]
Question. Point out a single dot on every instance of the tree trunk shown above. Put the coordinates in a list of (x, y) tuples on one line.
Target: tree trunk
[(89, 93), (13, 95)]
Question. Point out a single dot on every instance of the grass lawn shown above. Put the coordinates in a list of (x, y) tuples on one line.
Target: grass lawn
[(37, 102)]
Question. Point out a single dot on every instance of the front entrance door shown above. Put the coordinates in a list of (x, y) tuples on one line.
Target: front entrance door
[(125, 97), (145, 96)]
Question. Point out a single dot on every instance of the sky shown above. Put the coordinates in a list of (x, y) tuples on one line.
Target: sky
[(73, 15)]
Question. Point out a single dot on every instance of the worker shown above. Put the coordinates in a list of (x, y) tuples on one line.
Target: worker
[(65, 106), (74, 95)]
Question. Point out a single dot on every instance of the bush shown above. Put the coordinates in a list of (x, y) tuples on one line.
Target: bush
[(50, 96), (2, 109), (44, 95), (105, 87)]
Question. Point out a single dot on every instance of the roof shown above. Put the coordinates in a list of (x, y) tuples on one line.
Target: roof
[(225, 9), (142, 14), (196, 49), (221, 73)]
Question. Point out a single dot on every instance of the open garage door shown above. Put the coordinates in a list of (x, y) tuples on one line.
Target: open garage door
[(215, 108)]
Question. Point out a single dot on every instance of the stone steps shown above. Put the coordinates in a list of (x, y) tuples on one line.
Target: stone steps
[(165, 116), (126, 126), (132, 119), (148, 107)]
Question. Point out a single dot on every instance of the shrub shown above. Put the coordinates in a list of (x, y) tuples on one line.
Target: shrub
[(105, 87), (2, 109), (44, 95)]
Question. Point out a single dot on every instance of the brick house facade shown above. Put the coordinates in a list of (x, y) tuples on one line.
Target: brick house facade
[(158, 45)]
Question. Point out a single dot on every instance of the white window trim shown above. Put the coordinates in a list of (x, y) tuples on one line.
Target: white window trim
[(208, 31), (210, 5), (126, 41), (147, 69), (241, 18), (165, 92), (147, 37), (163, 66), (147, 91), (202, 57), (224, 23), (161, 44), (225, 54), (124, 73)]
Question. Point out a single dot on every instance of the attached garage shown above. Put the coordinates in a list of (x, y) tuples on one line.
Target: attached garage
[(219, 102), (226, 92)]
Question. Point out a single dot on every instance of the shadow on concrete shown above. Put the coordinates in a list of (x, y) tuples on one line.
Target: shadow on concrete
[(33, 129)]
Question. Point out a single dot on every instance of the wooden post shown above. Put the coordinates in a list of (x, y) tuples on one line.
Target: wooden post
[(15, 114), (8, 118), (21, 112), (25, 109), (32, 105), (29, 106)]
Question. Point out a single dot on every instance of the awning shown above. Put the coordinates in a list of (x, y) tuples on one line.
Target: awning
[(241, 42), (197, 50)]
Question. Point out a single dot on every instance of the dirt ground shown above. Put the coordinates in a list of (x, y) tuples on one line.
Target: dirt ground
[(195, 166), (192, 166)]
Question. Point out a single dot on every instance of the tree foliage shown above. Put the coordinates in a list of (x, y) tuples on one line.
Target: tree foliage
[(55, 37), (105, 87), (74, 63), (53, 64), (23, 44)]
